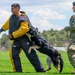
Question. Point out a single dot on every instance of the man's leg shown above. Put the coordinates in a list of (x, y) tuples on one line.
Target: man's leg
[(35, 61), (33, 58), (71, 55), (14, 56)]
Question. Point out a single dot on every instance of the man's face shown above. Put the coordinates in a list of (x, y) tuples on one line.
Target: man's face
[(14, 10), (73, 8)]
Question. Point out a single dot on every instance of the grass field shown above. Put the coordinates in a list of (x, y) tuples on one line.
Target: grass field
[(6, 67)]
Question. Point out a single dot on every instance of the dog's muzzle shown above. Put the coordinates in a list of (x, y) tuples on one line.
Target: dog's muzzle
[(58, 62)]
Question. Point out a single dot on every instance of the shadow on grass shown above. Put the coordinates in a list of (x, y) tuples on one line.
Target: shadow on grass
[(63, 73), (55, 73)]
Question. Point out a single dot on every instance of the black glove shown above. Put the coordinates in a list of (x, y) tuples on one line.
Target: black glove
[(1, 30)]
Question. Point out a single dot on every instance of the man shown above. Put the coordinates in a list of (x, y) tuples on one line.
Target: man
[(17, 31), (71, 48), (19, 25)]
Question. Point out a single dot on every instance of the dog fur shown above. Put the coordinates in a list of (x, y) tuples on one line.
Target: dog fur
[(48, 60)]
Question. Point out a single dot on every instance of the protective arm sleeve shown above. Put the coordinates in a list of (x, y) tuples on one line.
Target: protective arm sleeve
[(6, 25), (21, 31), (70, 28)]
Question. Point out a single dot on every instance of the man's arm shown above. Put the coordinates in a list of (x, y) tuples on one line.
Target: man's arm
[(5, 26), (69, 28), (24, 28)]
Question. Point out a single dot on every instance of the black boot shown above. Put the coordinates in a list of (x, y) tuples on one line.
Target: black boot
[(41, 70)]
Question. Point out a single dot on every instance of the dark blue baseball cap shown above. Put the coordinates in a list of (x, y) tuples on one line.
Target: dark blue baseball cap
[(73, 3)]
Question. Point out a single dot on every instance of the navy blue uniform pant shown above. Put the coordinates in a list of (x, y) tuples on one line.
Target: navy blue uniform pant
[(24, 43)]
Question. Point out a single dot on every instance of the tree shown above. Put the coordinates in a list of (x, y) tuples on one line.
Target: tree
[(5, 42), (57, 37)]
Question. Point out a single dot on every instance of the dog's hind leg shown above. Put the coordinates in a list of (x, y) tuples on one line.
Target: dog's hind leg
[(49, 61)]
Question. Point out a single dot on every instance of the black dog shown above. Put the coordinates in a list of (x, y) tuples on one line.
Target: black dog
[(42, 46)]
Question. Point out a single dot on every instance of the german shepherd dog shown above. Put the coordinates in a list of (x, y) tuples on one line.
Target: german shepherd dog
[(42, 45)]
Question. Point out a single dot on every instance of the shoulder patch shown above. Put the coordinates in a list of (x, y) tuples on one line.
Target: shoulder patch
[(72, 20), (73, 16)]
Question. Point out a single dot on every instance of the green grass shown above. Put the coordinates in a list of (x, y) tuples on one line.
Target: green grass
[(6, 67)]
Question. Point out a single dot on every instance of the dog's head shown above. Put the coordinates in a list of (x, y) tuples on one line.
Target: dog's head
[(58, 62), (58, 66)]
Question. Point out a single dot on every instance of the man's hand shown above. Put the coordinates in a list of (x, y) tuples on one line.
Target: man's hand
[(9, 36), (1, 30)]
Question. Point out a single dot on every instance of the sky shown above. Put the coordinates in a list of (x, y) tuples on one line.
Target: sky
[(43, 14)]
